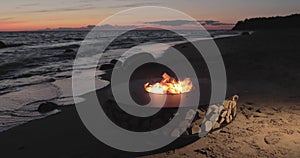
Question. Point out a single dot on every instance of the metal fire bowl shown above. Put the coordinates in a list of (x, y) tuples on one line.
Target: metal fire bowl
[(142, 97), (137, 91)]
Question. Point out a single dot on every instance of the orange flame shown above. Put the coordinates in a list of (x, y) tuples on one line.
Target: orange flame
[(169, 85)]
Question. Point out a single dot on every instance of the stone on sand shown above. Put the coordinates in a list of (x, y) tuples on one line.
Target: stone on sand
[(190, 114), (115, 61), (175, 133), (208, 126), (47, 107), (196, 129), (106, 66)]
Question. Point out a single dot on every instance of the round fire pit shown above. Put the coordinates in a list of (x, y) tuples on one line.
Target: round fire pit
[(194, 122), (195, 118)]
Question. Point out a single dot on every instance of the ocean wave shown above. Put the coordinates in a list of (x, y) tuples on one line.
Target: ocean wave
[(7, 45), (40, 69)]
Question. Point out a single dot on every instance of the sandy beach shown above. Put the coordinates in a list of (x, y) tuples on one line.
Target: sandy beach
[(262, 68)]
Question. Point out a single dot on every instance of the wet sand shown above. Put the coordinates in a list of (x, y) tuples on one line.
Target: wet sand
[(262, 68)]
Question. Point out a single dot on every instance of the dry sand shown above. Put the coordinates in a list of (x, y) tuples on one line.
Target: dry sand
[(258, 131), (262, 68)]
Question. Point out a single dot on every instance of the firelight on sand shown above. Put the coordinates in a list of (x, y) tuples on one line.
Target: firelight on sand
[(169, 85)]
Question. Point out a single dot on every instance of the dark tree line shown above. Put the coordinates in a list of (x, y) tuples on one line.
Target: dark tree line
[(264, 23)]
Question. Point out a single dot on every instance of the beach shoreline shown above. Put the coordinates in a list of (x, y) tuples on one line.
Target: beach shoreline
[(262, 69), (42, 71)]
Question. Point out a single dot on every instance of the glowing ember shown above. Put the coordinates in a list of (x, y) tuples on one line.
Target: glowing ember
[(169, 85)]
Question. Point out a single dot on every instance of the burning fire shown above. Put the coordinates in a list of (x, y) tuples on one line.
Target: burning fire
[(169, 85)]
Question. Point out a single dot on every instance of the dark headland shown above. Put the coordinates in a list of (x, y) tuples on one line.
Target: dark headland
[(269, 23)]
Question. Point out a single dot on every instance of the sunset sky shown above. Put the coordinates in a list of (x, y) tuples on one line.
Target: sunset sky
[(18, 15)]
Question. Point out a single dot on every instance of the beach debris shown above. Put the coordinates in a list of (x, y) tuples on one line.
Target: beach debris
[(229, 111), (47, 107), (106, 66), (190, 114), (115, 61), (208, 126), (218, 116), (195, 130), (195, 120), (183, 124), (175, 133), (214, 117), (217, 125)]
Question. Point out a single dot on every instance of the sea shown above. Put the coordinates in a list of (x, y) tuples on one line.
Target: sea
[(37, 66)]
